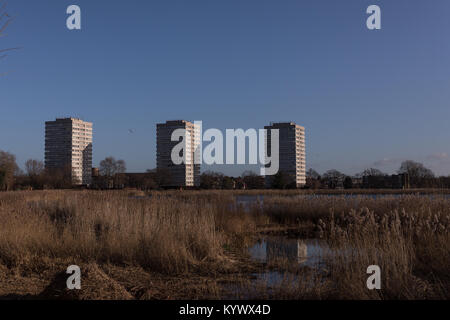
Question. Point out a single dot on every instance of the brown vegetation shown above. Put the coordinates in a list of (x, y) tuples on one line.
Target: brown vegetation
[(150, 244)]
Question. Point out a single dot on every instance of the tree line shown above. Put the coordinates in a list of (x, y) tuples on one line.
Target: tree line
[(112, 175), (415, 174), (35, 175)]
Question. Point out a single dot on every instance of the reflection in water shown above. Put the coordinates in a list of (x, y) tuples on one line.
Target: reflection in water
[(295, 250), (301, 251), (297, 253)]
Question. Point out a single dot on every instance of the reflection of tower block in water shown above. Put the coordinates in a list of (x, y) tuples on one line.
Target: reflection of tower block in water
[(292, 250)]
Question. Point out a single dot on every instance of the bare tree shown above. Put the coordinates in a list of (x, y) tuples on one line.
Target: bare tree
[(418, 175), (34, 167), (5, 21), (107, 167), (8, 168), (415, 170), (110, 167), (312, 174), (35, 172), (333, 174), (312, 179), (372, 172), (334, 178)]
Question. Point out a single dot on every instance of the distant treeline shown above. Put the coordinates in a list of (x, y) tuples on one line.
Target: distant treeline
[(411, 174), (111, 174)]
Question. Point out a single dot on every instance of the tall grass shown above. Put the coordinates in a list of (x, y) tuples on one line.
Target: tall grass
[(161, 234), (410, 247), (181, 232), (292, 209), (407, 236)]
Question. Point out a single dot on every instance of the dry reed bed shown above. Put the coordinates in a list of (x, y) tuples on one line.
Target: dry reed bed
[(293, 209), (177, 232), (159, 234), (407, 236)]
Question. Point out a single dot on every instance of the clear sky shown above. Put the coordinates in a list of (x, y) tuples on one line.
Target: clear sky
[(367, 98)]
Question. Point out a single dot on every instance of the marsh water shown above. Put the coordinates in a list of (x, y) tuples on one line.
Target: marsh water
[(284, 261), (293, 254), (301, 252), (282, 256)]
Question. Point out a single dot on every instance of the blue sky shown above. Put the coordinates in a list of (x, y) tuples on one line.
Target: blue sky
[(367, 98)]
